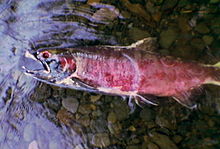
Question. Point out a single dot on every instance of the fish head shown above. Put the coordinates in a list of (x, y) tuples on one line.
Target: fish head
[(56, 67), (48, 65)]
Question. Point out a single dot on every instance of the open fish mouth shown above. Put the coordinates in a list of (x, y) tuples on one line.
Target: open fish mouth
[(34, 66)]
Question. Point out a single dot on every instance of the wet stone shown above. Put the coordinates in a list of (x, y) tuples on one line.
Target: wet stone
[(144, 145), (41, 93), (98, 125), (138, 10), (73, 93), (151, 7), (122, 113), (166, 121), (84, 120), (64, 116), (132, 128), (133, 147), (198, 43), (169, 4), (162, 141), (157, 16), (135, 141), (214, 1), (97, 113), (207, 39), (157, 2), (57, 91), (177, 139), (138, 34), (215, 25), (100, 140), (202, 28), (106, 14), (152, 146), (183, 24), (115, 128), (86, 108), (29, 132), (92, 1), (185, 51), (167, 37), (95, 98), (53, 103), (112, 117), (71, 104), (147, 114)]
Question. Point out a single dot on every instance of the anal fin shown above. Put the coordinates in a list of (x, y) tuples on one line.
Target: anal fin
[(188, 98)]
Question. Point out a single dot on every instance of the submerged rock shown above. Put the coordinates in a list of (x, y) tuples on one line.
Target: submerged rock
[(86, 108), (133, 147), (162, 141), (64, 116), (95, 98), (100, 140), (138, 34), (122, 113), (112, 118), (147, 114), (198, 43), (167, 37), (71, 104), (207, 39), (152, 146), (114, 128), (202, 28)]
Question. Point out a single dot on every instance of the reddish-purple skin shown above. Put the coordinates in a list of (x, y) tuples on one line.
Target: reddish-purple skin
[(144, 72)]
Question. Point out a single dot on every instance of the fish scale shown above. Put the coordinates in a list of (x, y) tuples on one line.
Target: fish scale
[(133, 71)]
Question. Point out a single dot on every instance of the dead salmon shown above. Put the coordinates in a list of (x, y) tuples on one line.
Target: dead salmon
[(128, 71)]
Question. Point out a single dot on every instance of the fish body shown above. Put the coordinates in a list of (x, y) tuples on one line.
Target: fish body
[(132, 71)]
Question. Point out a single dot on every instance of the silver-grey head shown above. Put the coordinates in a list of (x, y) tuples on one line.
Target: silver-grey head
[(54, 68)]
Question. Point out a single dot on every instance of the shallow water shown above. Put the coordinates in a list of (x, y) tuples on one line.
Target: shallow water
[(39, 116)]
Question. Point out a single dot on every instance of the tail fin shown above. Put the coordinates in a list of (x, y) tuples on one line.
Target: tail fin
[(215, 75)]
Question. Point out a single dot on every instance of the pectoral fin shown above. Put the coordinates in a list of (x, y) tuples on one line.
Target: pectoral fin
[(145, 99)]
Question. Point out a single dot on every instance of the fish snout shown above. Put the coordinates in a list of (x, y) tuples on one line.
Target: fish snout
[(30, 63)]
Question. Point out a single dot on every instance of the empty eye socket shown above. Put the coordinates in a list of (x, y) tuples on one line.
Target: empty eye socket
[(46, 54)]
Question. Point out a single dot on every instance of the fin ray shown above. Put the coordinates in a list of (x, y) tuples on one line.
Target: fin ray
[(144, 100), (187, 98), (147, 44)]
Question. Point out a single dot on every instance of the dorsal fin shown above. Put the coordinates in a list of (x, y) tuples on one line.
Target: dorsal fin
[(188, 98), (146, 44)]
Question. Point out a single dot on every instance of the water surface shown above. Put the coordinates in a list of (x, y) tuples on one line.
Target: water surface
[(39, 116)]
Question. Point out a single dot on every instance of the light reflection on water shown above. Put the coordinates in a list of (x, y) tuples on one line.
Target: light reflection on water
[(29, 24), (27, 122)]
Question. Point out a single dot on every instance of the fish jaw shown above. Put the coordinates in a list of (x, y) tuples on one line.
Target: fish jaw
[(33, 67)]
